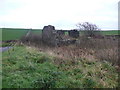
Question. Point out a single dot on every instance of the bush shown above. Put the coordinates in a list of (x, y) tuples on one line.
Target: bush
[(32, 39)]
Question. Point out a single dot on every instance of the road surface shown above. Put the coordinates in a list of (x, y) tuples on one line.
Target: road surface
[(2, 49)]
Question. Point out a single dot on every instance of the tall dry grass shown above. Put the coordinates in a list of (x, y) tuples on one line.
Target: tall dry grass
[(104, 49), (88, 48)]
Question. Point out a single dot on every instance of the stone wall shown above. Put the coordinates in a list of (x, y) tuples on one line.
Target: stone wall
[(61, 32), (49, 35), (53, 37), (73, 33)]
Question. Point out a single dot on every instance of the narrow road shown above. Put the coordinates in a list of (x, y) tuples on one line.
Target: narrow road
[(2, 49)]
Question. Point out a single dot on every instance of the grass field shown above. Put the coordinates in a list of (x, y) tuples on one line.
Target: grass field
[(37, 31), (112, 32), (14, 34), (26, 67), (109, 32)]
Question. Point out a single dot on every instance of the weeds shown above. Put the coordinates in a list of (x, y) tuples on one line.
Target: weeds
[(102, 49), (84, 65), (28, 68), (90, 48)]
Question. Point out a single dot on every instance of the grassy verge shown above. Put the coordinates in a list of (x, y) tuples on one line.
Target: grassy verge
[(0, 59), (25, 67)]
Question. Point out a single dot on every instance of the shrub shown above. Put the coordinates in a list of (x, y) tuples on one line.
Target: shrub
[(104, 49), (32, 39)]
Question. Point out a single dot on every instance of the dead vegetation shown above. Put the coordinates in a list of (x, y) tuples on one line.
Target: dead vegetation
[(88, 48)]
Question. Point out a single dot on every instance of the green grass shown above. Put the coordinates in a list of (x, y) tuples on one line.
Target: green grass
[(12, 34), (37, 31), (0, 60), (25, 67), (0, 34), (112, 32), (66, 33), (15, 34), (109, 32)]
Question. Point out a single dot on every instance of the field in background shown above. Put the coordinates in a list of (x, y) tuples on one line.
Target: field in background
[(37, 31), (0, 34), (112, 32), (12, 34), (16, 33), (109, 32)]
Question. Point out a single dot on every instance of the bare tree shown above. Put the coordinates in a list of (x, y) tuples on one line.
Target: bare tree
[(88, 28)]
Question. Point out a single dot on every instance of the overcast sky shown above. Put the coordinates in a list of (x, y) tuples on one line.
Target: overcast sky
[(63, 14)]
